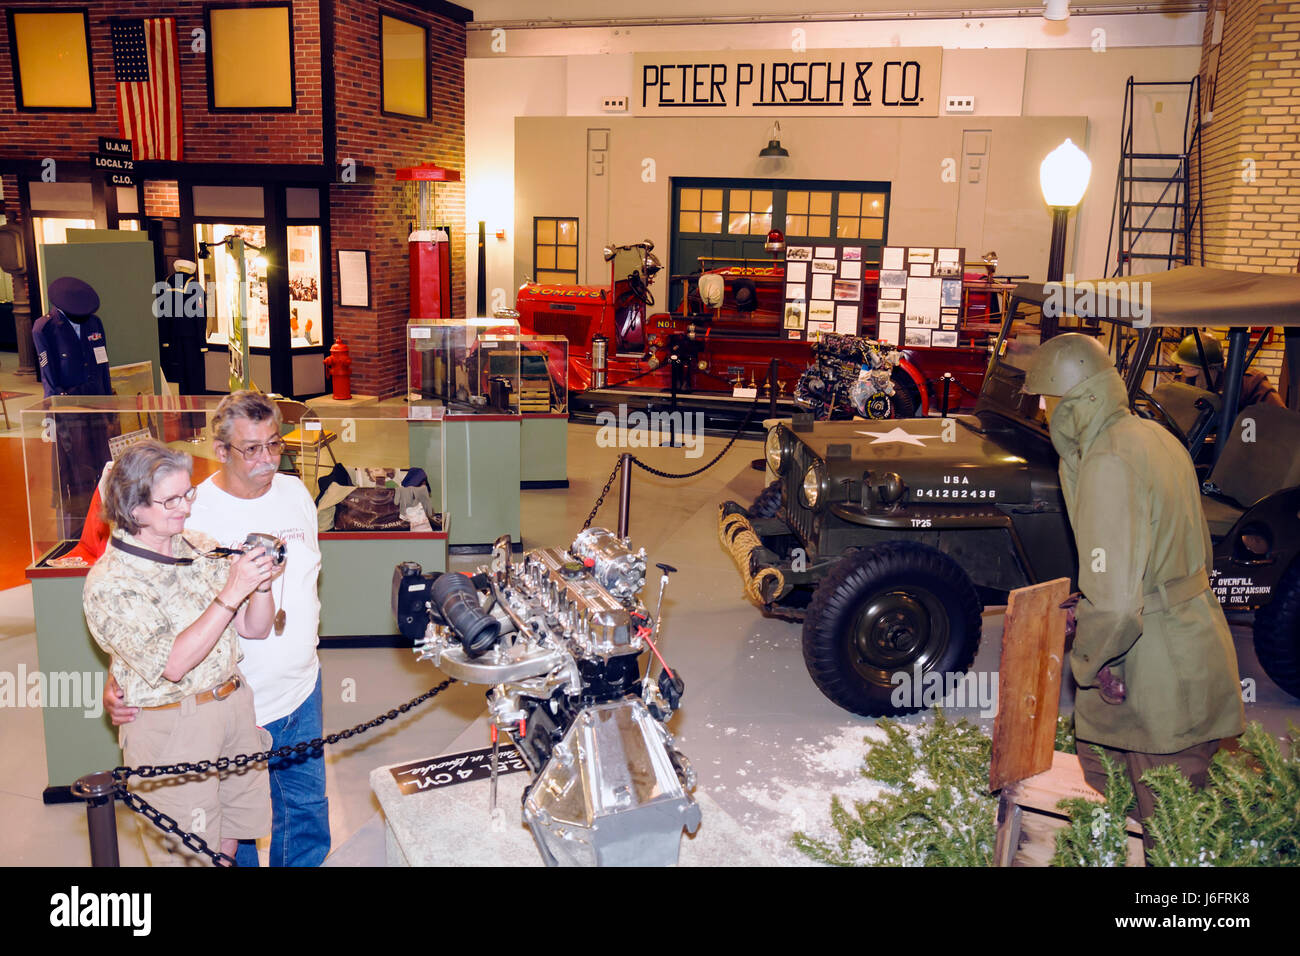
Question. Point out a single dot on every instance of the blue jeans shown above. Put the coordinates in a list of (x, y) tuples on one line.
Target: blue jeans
[(300, 827)]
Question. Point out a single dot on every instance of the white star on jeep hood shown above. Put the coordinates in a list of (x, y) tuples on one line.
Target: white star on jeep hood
[(899, 436)]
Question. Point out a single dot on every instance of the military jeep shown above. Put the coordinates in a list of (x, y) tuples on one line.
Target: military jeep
[(888, 538)]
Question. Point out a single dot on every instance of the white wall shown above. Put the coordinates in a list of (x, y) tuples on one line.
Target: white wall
[(1013, 67)]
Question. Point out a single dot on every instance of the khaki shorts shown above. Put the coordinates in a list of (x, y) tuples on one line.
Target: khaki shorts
[(235, 804)]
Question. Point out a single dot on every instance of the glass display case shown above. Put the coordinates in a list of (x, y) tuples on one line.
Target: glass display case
[(543, 374), (67, 440), (470, 366)]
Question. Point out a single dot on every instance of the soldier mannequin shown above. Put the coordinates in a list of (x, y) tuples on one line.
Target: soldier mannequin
[(1152, 655), (1255, 386), (72, 355)]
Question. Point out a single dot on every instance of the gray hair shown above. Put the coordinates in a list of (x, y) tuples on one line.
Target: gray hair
[(248, 405), (131, 482)]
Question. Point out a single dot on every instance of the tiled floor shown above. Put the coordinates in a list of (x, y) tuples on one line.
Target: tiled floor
[(768, 747)]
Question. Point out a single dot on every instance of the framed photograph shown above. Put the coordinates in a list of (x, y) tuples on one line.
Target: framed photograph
[(250, 58), (404, 67), (354, 278), (798, 253), (794, 315), (50, 52), (848, 290)]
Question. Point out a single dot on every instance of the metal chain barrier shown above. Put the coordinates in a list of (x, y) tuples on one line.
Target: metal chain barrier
[(196, 843), (716, 458), (603, 492)]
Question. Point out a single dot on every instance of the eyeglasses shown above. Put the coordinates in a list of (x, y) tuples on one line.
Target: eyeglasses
[(252, 452), (174, 502)]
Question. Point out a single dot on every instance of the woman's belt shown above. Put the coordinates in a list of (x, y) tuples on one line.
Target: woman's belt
[(220, 692)]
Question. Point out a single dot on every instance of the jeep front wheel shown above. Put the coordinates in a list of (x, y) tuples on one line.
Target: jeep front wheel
[(1277, 633), (899, 607)]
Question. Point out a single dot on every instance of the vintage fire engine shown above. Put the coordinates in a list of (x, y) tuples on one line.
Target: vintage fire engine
[(726, 330)]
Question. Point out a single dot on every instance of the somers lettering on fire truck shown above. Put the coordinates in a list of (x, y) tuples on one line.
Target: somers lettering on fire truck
[(897, 81)]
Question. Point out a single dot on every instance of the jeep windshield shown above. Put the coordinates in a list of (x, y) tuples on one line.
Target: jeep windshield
[(1024, 329)]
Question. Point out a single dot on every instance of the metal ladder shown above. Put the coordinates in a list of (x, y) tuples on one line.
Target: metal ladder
[(1150, 229)]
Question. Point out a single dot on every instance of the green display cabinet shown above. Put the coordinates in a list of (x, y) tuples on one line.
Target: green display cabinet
[(79, 739), (544, 451), (356, 578), (478, 473)]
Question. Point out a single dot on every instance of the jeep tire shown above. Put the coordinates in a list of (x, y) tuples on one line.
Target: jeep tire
[(1277, 632), (895, 607)]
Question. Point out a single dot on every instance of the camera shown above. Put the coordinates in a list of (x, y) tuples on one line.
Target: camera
[(275, 547)]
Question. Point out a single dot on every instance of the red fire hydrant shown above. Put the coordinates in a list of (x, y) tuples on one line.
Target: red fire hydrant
[(339, 366)]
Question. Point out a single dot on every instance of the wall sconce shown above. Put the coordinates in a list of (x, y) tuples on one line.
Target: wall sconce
[(774, 147), (1056, 10)]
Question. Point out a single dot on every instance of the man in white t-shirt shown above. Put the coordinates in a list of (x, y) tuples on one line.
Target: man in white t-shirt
[(248, 495)]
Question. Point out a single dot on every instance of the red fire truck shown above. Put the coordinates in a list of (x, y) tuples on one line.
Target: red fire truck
[(616, 339)]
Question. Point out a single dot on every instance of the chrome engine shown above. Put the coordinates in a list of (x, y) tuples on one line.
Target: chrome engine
[(559, 636)]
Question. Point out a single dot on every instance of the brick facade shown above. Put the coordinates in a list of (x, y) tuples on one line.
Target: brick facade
[(209, 137), (378, 218), (374, 217), (1251, 151)]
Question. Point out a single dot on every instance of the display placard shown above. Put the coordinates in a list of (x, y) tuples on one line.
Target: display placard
[(920, 303), (823, 290), (433, 773)]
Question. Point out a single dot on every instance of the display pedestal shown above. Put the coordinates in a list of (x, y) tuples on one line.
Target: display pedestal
[(479, 477), (356, 581), (76, 743), (451, 826), (544, 451)]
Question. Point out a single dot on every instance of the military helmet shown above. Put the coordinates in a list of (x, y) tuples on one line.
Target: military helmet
[(1187, 354), (1064, 361)]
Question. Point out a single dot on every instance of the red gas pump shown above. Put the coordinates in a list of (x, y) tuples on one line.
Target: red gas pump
[(429, 245), (339, 366)]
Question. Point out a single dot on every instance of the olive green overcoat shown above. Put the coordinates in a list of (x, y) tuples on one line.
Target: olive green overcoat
[(1134, 503)]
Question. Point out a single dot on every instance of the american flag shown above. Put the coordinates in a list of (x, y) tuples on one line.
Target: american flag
[(147, 67)]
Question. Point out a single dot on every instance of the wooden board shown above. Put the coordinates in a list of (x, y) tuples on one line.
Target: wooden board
[(1029, 682)]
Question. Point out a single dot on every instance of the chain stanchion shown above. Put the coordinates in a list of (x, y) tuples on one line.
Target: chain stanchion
[(98, 790), (625, 494), (716, 458), (92, 787)]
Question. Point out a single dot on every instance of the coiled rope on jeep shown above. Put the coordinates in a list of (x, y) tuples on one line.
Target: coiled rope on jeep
[(740, 541)]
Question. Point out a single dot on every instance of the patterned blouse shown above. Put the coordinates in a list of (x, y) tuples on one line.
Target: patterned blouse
[(136, 606)]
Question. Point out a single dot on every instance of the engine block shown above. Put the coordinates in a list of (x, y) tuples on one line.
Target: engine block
[(559, 636)]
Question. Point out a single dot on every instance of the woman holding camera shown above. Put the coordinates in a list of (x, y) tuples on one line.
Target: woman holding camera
[(170, 613)]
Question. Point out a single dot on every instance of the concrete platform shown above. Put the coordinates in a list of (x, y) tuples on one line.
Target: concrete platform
[(452, 826)]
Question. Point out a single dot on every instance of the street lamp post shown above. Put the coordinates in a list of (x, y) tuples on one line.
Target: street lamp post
[(1063, 177)]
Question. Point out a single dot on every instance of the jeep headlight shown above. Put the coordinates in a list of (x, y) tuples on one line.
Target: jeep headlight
[(775, 450), (812, 486)]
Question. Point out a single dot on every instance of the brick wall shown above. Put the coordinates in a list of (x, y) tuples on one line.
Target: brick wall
[(209, 137), (1251, 153), (378, 217), (162, 198)]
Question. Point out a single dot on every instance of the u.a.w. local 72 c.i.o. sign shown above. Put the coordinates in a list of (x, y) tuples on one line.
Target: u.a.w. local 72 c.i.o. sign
[(880, 81)]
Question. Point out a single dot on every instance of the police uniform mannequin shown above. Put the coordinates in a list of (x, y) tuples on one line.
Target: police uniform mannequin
[(71, 349), (72, 355)]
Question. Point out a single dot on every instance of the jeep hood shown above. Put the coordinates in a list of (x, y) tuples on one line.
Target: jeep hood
[(970, 466)]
